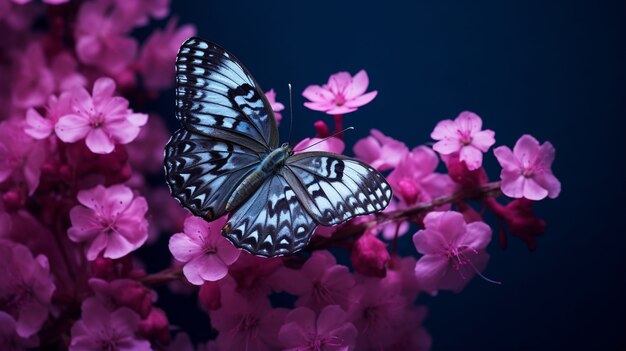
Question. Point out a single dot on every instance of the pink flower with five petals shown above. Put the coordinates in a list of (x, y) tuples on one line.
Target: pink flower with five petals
[(206, 253), (109, 220), (342, 94), (526, 171), (102, 119), (463, 135)]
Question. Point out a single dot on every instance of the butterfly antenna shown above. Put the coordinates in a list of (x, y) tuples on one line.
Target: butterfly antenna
[(290, 113), (330, 136)]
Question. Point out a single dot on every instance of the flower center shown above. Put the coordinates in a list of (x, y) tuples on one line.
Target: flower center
[(248, 323), (464, 137), (321, 293), (96, 120), (340, 100)]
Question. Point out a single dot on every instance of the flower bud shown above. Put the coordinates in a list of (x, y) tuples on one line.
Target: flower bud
[(156, 326), (459, 172), (370, 256), (209, 296)]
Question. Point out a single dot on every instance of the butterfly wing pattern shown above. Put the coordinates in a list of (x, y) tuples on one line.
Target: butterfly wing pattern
[(228, 132)]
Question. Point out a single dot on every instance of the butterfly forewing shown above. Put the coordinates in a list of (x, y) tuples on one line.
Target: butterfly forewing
[(335, 188), (202, 171), (217, 96), (271, 222)]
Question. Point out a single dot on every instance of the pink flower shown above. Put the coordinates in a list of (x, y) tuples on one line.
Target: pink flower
[(205, 251), (33, 81), (463, 135), (320, 282), (123, 293), (380, 151), (526, 171), (370, 256), (328, 331), (276, 106), (332, 144), (247, 324), (158, 55), (101, 119), (342, 94), (139, 12), (101, 38), (39, 127), (453, 251), (21, 157), (109, 220), (145, 153), (389, 230), (64, 68), (101, 329), (9, 339), (25, 287), (414, 178)]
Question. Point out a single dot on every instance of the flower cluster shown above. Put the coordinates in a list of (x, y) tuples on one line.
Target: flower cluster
[(80, 211)]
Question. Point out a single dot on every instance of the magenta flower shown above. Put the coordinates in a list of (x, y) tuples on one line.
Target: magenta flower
[(25, 287), (342, 94), (276, 106), (33, 81), (463, 135), (380, 151), (334, 145), (453, 251), (9, 339), (109, 220), (101, 119), (320, 282), (102, 330), (156, 61), (526, 171), (370, 256), (206, 253), (21, 157), (328, 331), (39, 127), (247, 324)]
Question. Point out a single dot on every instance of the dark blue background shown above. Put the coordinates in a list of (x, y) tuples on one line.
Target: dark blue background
[(554, 69)]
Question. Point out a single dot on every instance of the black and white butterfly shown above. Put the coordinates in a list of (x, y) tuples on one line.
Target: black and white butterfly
[(226, 158)]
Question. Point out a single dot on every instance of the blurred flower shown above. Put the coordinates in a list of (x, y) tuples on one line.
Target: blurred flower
[(276, 106), (102, 119), (526, 171), (247, 324), (145, 152), (206, 252), (380, 151), (138, 12), (158, 55), (370, 256), (342, 94), (25, 287), (453, 251), (320, 282), (21, 157), (332, 144), (9, 339), (329, 330), (109, 220), (463, 135), (123, 293), (101, 329), (33, 81), (156, 326)]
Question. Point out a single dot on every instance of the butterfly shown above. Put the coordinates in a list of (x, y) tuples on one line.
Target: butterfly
[(226, 159)]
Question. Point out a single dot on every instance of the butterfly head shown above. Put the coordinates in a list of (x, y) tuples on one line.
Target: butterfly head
[(287, 149)]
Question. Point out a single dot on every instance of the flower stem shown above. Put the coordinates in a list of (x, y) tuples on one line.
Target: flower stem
[(163, 277), (338, 125)]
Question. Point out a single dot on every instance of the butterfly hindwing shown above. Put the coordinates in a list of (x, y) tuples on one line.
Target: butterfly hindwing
[(202, 171), (217, 96), (272, 222), (335, 188)]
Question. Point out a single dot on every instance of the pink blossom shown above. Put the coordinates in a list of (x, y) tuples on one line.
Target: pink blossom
[(389, 230), (463, 135), (205, 251), (453, 251), (412, 336), (328, 331), (320, 282), (158, 54), (247, 324), (370, 256), (33, 81), (9, 339), (138, 12), (252, 275), (109, 220), (102, 330), (332, 144), (101, 119), (145, 153), (156, 326), (414, 178), (25, 287), (123, 293), (526, 171), (342, 94), (380, 151), (276, 106), (40, 127), (64, 68), (101, 37), (21, 157)]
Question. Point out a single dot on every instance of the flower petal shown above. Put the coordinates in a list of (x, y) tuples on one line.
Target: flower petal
[(99, 142)]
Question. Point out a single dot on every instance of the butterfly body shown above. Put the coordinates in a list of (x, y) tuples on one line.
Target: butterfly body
[(226, 159)]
